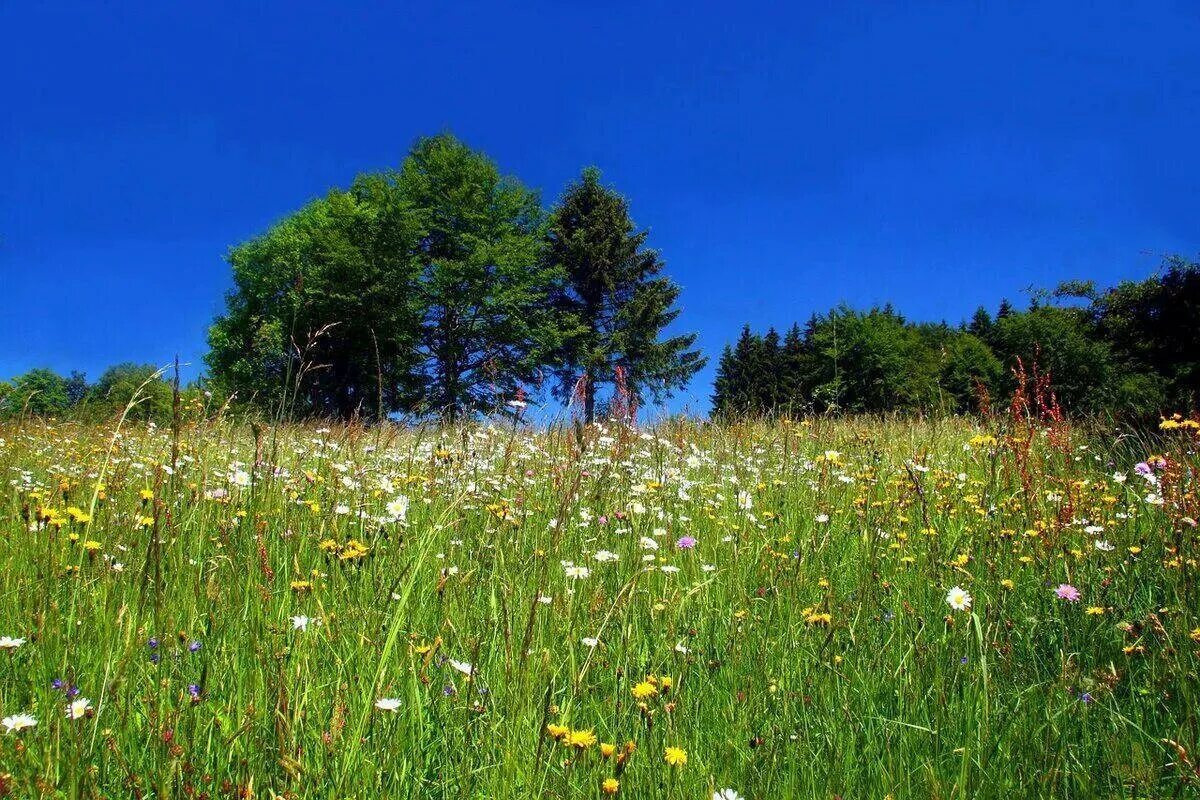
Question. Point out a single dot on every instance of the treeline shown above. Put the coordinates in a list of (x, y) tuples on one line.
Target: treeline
[(138, 390), (1130, 350), (446, 288)]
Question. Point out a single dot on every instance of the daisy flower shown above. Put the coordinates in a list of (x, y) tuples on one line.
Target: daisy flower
[(959, 599)]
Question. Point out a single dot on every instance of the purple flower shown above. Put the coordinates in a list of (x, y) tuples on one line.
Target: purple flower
[(686, 542), (152, 643), (1142, 469), (1085, 697), (1066, 591), (194, 646)]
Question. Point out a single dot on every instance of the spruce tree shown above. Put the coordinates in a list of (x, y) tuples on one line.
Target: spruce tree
[(616, 304)]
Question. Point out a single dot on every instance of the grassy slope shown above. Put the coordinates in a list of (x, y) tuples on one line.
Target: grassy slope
[(897, 694)]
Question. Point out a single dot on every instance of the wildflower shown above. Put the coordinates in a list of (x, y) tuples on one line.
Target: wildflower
[(610, 786), (462, 666), (726, 794), (686, 542), (300, 622), (1104, 546), (959, 599), (644, 690), (78, 708), (1065, 591), (9, 643), (577, 572), (1094, 611), (607, 749), (675, 756), (604, 556), (18, 722), (391, 704), (398, 509), (581, 739)]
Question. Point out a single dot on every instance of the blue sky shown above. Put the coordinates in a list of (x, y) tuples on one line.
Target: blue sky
[(786, 157)]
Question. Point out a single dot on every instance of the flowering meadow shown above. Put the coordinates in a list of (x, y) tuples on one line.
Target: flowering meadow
[(863, 607)]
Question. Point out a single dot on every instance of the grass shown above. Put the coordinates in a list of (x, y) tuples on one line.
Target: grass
[(806, 637)]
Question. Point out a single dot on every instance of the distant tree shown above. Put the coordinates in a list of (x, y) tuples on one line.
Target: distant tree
[(615, 299), (1154, 329), (792, 367), (1065, 343), (121, 384), (768, 383), (968, 366), (39, 391), (77, 387), (981, 325)]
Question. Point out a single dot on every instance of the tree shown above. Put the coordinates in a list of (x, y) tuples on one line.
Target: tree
[(1154, 328), (486, 325), (121, 384), (39, 391), (616, 304), (323, 313), (1065, 343), (77, 387)]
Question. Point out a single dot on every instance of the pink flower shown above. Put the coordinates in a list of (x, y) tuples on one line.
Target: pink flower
[(686, 542), (1066, 591)]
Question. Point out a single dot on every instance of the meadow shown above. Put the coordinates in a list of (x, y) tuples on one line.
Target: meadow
[(865, 607)]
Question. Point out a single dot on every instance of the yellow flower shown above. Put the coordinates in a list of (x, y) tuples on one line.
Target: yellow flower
[(645, 690), (1095, 611), (581, 739), (557, 731), (666, 682), (607, 749), (147, 494), (610, 786), (675, 756)]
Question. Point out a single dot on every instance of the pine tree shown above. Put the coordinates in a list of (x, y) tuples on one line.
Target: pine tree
[(791, 370), (769, 385), (616, 303)]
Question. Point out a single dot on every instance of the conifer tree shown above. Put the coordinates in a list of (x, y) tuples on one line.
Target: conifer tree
[(616, 303)]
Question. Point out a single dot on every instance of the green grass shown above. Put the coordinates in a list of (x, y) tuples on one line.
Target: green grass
[(897, 694)]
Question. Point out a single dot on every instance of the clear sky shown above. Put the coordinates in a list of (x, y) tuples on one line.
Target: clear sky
[(785, 156)]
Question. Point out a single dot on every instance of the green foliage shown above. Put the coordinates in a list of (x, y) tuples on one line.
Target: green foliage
[(39, 391), (1132, 351), (486, 325), (615, 304), (323, 312), (141, 385), (1065, 343)]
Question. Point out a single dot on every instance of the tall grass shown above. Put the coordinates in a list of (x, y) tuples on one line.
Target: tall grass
[(806, 637)]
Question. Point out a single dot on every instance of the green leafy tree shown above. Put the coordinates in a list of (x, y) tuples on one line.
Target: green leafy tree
[(616, 305), (1154, 329), (486, 324), (122, 384), (323, 315), (39, 391), (1065, 343)]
